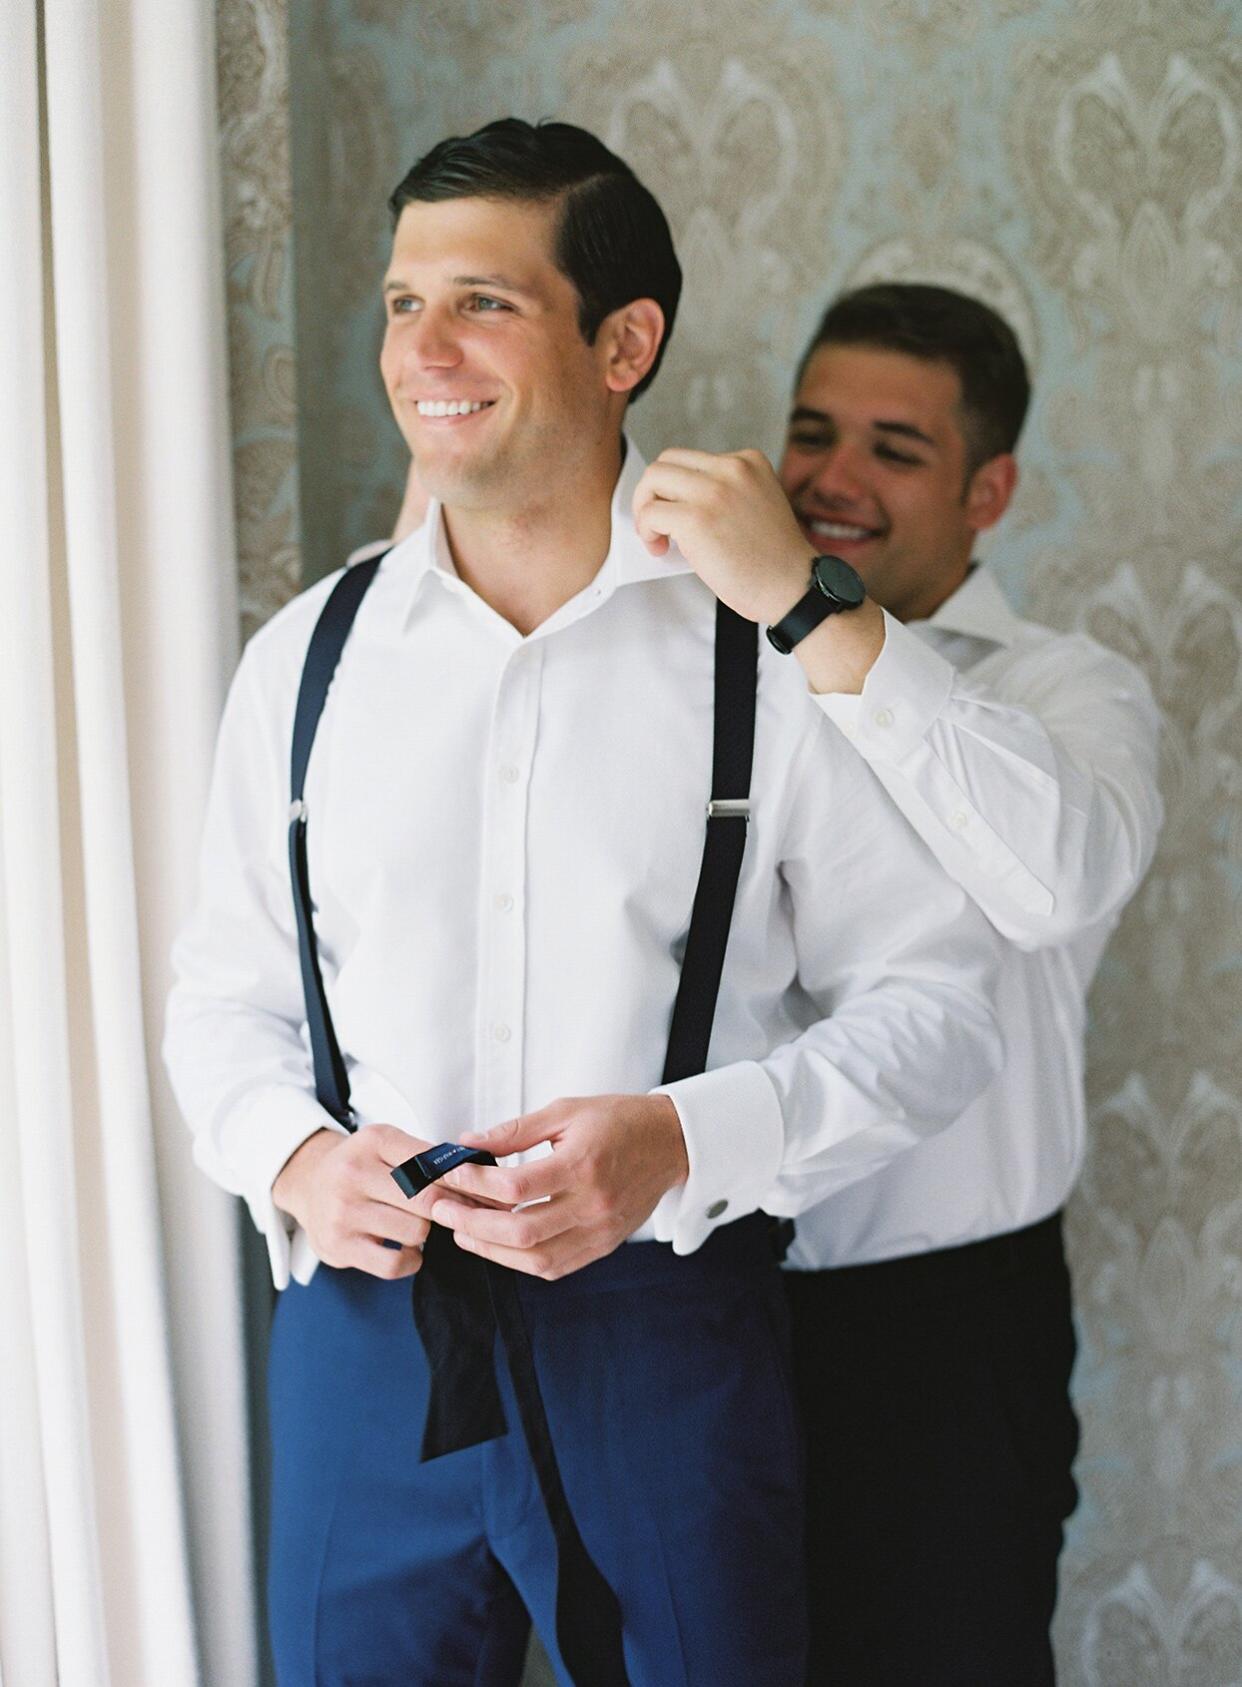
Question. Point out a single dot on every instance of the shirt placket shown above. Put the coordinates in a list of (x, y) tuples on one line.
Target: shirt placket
[(500, 1031)]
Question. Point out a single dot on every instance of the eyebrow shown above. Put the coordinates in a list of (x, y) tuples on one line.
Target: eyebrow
[(502, 283), (906, 430)]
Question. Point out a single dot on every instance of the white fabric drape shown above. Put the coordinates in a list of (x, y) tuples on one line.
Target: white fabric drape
[(124, 1538)]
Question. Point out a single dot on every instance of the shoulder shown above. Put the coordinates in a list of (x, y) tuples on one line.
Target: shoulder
[(287, 634), (263, 695), (275, 655)]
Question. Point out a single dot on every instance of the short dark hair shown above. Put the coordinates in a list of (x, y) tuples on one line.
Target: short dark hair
[(941, 326), (612, 241)]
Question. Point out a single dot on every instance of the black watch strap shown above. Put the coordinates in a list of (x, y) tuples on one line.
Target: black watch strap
[(834, 587)]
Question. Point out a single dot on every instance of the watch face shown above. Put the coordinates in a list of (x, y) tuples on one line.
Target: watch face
[(836, 579)]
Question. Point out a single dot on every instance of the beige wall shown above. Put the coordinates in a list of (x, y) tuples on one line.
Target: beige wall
[(1080, 164)]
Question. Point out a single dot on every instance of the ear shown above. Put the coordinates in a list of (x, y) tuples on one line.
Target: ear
[(630, 338), (990, 490)]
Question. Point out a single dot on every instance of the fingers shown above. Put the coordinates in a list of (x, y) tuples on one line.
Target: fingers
[(528, 1229), (682, 457), (508, 1186), (678, 489), (741, 466), (354, 1206), (389, 1144), (386, 1223), (370, 1255), (445, 1190), (666, 482), (535, 1263), (377, 1149), (658, 500), (514, 1136)]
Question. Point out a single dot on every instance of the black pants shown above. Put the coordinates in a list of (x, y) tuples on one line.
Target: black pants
[(940, 1439)]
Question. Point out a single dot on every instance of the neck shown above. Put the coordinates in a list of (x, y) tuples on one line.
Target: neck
[(922, 605), (526, 563)]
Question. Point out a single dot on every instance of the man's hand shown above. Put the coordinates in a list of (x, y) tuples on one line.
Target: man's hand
[(729, 517), (340, 1190), (613, 1157), (731, 520)]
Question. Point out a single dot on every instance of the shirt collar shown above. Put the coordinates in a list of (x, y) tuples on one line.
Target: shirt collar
[(978, 608), (628, 560), (426, 551)]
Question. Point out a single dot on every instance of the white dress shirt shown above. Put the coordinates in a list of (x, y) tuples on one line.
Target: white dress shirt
[(1026, 759), (505, 835)]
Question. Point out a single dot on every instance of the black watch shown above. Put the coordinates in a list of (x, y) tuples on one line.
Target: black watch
[(834, 586)]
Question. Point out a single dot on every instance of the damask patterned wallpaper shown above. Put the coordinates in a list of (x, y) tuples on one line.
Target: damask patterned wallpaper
[(1078, 163), (253, 59)]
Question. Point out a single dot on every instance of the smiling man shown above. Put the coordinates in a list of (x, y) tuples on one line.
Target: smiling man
[(933, 1337), (532, 816)]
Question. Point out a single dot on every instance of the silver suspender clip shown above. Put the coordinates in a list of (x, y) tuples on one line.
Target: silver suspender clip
[(297, 810), (729, 808)]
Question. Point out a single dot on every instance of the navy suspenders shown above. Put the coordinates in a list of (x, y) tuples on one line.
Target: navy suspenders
[(322, 655), (460, 1300)]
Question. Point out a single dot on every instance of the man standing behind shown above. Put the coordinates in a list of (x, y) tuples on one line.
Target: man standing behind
[(931, 1304), (503, 823)]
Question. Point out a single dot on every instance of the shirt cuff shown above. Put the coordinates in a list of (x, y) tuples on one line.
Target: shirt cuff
[(735, 1139), (909, 684), (260, 1135)]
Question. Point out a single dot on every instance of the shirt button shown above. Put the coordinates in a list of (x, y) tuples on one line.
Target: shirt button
[(503, 904), (961, 820), (501, 1033), (850, 730), (716, 1208), (884, 717), (510, 774)]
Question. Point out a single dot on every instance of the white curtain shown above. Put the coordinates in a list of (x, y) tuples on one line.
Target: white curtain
[(124, 1538)]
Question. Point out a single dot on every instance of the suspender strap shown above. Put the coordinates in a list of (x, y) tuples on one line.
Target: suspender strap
[(453, 1290), (322, 656), (737, 663)]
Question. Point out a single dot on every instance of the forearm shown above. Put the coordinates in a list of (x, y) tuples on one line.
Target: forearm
[(841, 652), (1042, 804), (830, 1107)]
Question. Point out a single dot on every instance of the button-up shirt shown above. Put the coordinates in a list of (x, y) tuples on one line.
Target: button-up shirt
[(504, 839), (1026, 759)]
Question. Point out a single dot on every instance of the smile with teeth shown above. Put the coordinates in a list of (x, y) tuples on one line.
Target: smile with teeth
[(453, 406), (839, 530)]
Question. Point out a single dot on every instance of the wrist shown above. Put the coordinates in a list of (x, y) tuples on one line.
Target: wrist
[(786, 582), (839, 654), (293, 1178), (669, 1123)]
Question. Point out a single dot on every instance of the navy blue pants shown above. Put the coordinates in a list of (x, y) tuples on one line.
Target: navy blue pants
[(668, 1392)]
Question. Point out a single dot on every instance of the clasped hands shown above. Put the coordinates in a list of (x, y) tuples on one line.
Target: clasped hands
[(612, 1159)]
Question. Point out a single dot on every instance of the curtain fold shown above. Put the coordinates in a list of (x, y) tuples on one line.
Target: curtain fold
[(124, 1538)]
